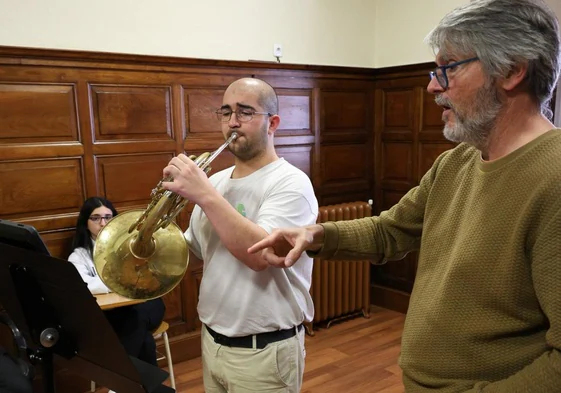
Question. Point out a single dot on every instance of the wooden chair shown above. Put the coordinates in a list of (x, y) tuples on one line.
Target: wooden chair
[(160, 332)]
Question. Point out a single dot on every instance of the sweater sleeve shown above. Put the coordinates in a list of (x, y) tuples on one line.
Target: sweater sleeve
[(543, 375), (84, 264), (389, 236)]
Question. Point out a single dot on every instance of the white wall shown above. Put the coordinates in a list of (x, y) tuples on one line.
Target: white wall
[(401, 27), (326, 32), (361, 33), (556, 6)]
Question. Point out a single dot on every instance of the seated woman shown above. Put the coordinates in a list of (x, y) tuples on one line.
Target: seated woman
[(133, 324)]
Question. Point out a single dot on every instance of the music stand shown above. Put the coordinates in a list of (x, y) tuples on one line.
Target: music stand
[(22, 236), (59, 317)]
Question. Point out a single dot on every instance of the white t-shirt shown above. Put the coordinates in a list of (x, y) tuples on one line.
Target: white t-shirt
[(83, 261), (235, 300)]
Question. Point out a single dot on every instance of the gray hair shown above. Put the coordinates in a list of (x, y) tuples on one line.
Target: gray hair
[(504, 34)]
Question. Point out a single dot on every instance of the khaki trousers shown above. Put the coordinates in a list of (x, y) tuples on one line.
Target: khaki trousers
[(279, 367)]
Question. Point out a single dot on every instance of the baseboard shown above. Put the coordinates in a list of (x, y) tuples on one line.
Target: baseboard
[(389, 298)]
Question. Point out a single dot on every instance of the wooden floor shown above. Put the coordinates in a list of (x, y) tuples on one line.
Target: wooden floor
[(358, 355)]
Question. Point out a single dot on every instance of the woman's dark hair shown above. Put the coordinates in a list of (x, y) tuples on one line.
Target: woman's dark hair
[(83, 237)]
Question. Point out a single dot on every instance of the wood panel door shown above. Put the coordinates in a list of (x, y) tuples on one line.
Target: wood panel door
[(408, 138)]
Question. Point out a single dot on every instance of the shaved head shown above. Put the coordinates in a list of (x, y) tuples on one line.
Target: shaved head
[(266, 96)]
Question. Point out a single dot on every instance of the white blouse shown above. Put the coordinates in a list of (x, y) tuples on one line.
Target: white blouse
[(83, 261)]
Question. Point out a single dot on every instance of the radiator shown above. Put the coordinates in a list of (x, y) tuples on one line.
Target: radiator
[(340, 289)]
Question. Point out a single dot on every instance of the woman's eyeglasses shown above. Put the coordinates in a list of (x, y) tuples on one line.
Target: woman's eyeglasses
[(98, 218)]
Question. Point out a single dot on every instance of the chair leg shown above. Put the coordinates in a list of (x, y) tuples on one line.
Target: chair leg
[(168, 356)]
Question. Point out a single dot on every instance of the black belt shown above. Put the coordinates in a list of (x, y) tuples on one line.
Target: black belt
[(261, 339)]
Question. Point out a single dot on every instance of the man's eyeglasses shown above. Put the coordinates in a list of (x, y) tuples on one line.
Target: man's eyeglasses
[(97, 218), (242, 114), (440, 72)]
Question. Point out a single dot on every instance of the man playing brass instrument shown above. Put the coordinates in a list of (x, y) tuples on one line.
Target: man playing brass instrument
[(252, 338)]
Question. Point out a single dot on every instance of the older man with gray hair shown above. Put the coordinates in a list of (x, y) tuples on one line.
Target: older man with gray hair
[(485, 311)]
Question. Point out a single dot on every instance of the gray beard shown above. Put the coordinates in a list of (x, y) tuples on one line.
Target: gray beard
[(475, 129)]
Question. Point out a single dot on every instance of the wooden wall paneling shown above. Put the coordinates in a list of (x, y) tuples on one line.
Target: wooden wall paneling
[(37, 113), (345, 116), (86, 117), (396, 274), (190, 295), (136, 133), (299, 156), (396, 142), (40, 188), (316, 124), (77, 124), (127, 180), (397, 157), (296, 112), (31, 151), (178, 116), (408, 138), (297, 127), (59, 242), (180, 125), (127, 119), (202, 126), (397, 165), (131, 112), (345, 164), (377, 148), (431, 115), (295, 138), (41, 166), (345, 146)]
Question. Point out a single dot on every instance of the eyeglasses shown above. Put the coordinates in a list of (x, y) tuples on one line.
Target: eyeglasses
[(242, 114), (97, 218), (440, 72)]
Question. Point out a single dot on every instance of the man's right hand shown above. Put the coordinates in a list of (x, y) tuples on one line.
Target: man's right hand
[(283, 247)]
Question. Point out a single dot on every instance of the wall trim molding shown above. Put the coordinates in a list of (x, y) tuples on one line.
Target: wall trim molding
[(35, 56)]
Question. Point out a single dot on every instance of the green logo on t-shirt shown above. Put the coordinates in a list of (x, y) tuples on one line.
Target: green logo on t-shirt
[(241, 209)]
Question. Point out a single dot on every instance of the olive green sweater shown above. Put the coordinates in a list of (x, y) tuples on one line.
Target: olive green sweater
[(485, 312)]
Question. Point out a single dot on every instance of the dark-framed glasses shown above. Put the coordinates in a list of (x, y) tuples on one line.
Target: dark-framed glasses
[(98, 218), (243, 115), (440, 72)]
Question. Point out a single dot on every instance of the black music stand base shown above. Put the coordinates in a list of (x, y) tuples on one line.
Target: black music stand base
[(62, 323)]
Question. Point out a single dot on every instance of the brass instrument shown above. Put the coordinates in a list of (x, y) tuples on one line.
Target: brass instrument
[(142, 254)]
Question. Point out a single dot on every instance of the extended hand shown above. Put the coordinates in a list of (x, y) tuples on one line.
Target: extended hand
[(283, 247)]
